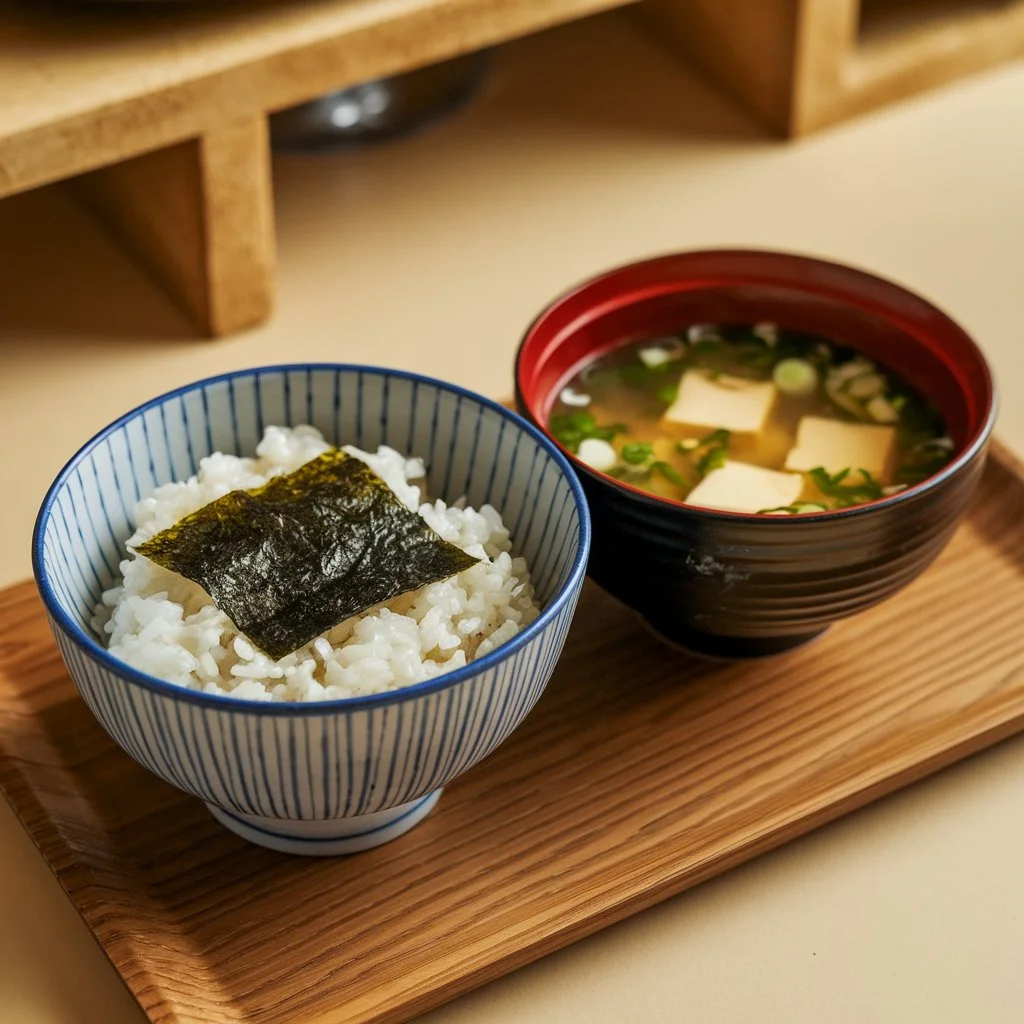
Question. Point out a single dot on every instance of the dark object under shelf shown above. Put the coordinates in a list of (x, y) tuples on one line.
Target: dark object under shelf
[(381, 109)]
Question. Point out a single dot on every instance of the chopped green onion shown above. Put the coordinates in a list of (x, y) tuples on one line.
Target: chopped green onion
[(654, 356), (945, 443), (635, 376), (581, 421), (637, 453), (828, 485), (866, 385), (838, 381), (688, 444), (845, 495), (796, 509), (720, 436), (845, 402), (881, 410), (795, 377), (669, 472), (697, 333), (706, 346), (569, 397), (668, 393), (824, 481), (568, 437), (713, 458), (917, 472), (716, 444), (571, 428), (755, 355), (609, 432), (851, 368)]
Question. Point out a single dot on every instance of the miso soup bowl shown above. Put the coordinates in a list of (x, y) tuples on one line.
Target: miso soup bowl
[(742, 585), (336, 776)]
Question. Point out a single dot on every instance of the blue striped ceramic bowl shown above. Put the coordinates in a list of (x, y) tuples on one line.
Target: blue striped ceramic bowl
[(337, 776)]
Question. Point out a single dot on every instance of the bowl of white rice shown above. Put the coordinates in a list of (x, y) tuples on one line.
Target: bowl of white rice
[(347, 741)]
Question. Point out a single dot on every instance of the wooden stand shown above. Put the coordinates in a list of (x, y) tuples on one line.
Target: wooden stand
[(171, 102), (199, 216), (802, 64)]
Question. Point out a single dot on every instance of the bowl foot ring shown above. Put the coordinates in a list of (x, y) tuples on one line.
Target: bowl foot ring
[(328, 838)]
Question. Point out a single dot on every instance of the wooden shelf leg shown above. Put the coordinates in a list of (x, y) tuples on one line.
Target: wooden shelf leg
[(783, 60), (199, 217), (745, 47)]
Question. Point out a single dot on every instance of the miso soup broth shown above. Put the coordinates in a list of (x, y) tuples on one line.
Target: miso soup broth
[(750, 419)]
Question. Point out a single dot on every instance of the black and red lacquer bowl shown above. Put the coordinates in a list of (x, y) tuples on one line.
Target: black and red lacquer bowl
[(744, 585)]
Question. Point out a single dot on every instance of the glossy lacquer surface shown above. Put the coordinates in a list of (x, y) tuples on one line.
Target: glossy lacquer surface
[(738, 585)]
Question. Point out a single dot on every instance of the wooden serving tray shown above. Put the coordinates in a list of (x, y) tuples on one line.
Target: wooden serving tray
[(641, 772)]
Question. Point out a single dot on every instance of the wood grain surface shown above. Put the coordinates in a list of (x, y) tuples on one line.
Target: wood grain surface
[(800, 65), (167, 105), (89, 85), (641, 773)]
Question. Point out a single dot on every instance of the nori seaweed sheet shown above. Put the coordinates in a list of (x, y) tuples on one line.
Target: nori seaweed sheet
[(293, 558)]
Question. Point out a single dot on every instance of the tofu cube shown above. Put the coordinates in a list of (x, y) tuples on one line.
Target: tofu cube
[(740, 487), (726, 402), (837, 446)]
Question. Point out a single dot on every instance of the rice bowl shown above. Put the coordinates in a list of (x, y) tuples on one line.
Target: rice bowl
[(324, 776)]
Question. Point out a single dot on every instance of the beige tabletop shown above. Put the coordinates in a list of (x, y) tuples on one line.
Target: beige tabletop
[(587, 148)]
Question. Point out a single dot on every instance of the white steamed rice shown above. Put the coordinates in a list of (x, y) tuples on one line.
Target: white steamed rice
[(166, 625)]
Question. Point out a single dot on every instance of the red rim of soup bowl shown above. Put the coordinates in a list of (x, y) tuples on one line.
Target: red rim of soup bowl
[(842, 304)]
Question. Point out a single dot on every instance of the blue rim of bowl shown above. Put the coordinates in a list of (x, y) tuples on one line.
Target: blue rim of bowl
[(222, 702)]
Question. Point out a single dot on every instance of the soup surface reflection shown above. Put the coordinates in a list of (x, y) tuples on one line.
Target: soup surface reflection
[(750, 419)]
